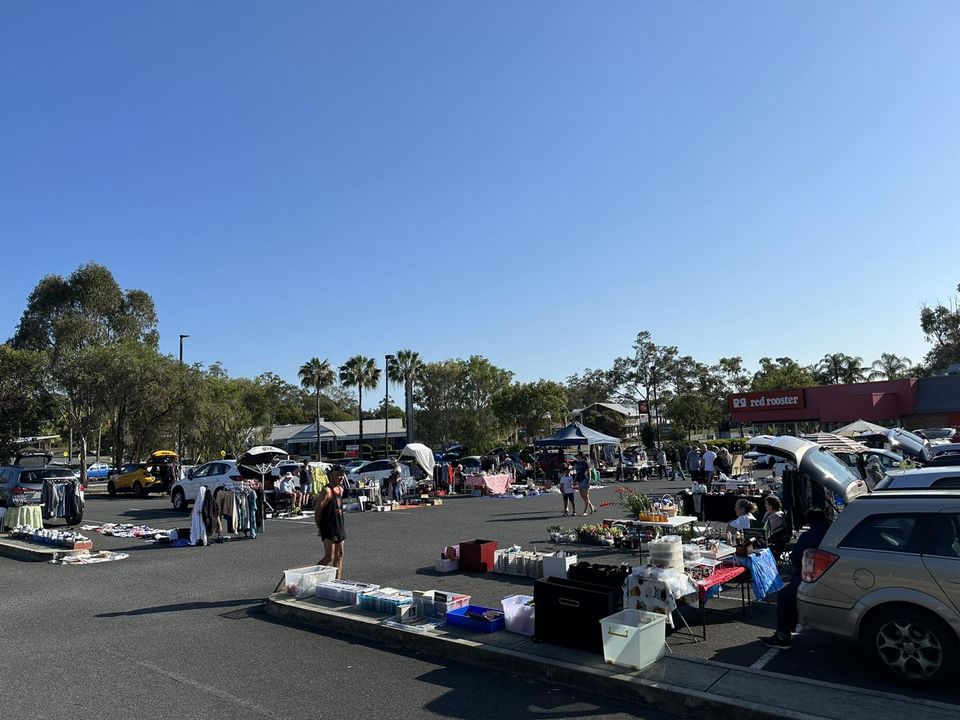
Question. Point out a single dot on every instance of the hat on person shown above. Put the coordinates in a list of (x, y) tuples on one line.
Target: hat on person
[(288, 474)]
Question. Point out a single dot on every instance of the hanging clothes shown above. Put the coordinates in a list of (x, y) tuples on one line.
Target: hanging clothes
[(198, 531)]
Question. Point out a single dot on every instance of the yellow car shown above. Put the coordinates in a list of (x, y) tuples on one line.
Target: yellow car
[(135, 478)]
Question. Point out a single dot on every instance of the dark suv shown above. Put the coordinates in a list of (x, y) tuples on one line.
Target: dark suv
[(22, 484)]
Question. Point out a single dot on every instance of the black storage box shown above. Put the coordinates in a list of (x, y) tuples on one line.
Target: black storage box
[(599, 574), (569, 612)]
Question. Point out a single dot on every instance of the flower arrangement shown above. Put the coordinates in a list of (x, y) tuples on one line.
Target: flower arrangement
[(634, 503)]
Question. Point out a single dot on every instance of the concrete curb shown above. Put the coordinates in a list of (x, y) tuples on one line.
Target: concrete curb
[(29, 552), (673, 699)]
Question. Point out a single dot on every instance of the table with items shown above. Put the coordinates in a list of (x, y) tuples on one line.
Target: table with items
[(490, 484)]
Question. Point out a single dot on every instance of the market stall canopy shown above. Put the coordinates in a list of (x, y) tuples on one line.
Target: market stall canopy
[(576, 434), (259, 460), (836, 443), (422, 455), (860, 427)]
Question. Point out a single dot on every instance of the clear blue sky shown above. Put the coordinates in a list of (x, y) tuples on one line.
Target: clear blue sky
[(530, 181)]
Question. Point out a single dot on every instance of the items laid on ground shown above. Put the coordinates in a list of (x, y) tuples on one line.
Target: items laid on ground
[(90, 558), (54, 538)]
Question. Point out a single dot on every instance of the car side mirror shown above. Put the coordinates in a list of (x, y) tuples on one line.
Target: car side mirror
[(190, 473)]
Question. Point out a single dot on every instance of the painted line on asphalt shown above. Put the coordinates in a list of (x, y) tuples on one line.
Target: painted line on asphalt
[(209, 689), (769, 655)]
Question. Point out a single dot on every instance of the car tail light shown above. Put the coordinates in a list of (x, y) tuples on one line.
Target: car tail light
[(816, 563), (20, 490)]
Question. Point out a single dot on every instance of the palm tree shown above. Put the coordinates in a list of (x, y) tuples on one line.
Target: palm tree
[(360, 372), (890, 366), (842, 368), (403, 368), (316, 374)]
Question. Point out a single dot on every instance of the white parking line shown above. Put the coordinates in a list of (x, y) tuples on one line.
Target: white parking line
[(765, 658)]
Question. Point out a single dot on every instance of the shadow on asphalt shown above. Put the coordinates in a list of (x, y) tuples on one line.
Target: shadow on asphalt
[(180, 607)]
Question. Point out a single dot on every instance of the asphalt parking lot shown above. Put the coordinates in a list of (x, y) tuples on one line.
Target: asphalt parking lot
[(189, 618)]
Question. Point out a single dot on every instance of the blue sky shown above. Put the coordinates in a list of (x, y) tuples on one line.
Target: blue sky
[(531, 181)]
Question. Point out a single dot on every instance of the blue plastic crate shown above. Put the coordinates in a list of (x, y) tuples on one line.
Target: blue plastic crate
[(459, 618)]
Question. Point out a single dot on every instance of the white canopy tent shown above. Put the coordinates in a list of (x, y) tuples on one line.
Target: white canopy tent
[(422, 456), (860, 427)]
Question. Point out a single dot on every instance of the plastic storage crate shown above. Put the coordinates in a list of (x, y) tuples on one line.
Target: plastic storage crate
[(302, 582), (556, 564), (459, 618), (347, 592), (518, 614), (437, 603), (633, 638), (385, 600)]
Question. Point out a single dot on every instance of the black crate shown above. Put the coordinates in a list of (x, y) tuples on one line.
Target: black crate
[(569, 612)]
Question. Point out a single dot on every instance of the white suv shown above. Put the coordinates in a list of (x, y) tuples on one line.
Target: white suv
[(379, 470), (216, 474)]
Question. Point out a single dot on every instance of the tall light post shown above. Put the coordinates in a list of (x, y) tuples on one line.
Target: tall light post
[(386, 405), (656, 407), (180, 405)]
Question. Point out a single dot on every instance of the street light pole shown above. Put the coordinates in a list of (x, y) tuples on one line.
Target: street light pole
[(180, 406), (386, 405), (653, 375)]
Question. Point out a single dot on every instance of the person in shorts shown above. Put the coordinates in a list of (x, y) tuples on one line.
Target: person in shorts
[(306, 484), (328, 514), (566, 489)]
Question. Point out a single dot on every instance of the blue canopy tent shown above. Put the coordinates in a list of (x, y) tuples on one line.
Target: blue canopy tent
[(576, 434)]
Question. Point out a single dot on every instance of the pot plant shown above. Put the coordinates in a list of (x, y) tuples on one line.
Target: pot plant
[(633, 502)]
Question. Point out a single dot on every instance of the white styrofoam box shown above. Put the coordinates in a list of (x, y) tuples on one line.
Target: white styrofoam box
[(557, 564), (518, 615), (302, 582), (346, 591), (633, 638), (445, 566)]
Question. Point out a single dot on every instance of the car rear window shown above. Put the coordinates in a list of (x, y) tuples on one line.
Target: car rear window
[(948, 483), (890, 533)]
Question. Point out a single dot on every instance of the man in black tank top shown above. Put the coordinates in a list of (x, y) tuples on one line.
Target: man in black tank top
[(328, 514)]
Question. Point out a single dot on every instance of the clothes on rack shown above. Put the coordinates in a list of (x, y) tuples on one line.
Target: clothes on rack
[(198, 529), (60, 499)]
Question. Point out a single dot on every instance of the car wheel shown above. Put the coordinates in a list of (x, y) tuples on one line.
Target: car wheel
[(138, 490), (111, 488), (179, 500), (911, 645)]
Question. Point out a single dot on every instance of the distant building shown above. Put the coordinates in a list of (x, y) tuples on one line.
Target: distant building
[(336, 436), (632, 419)]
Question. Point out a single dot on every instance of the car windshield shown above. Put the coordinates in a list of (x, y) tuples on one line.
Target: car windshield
[(938, 433), (828, 469)]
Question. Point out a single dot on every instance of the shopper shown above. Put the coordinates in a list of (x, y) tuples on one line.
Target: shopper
[(393, 483), (676, 470), (328, 514), (306, 484), (661, 463), (724, 462), (566, 489), (583, 483), (709, 458), (787, 597), (694, 462), (775, 525)]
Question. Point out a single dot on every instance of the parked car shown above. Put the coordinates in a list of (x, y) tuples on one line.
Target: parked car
[(21, 485), (937, 436), (286, 466), (378, 470), (98, 471), (887, 574), (472, 464), (354, 465), (938, 478), (216, 474), (135, 478)]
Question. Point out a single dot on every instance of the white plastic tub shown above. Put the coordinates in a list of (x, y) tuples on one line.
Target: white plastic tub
[(302, 582), (633, 638), (518, 615), (347, 592)]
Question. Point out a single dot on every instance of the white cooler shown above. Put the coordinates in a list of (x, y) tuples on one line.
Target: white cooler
[(633, 638)]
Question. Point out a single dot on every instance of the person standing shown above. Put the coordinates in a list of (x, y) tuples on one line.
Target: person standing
[(661, 463), (328, 515), (566, 489), (693, 463), (787, 596), (582, 477), (709, 461), (643, 464), (676, 470), (306, 484)]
